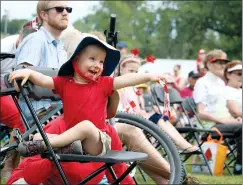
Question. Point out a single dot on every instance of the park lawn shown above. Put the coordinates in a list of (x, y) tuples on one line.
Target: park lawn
[(219, 180)]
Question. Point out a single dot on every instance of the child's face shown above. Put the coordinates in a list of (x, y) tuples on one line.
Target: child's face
[(129, 67), (91, 61)]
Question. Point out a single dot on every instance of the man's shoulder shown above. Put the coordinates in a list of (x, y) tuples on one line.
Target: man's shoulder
[(38, 36)]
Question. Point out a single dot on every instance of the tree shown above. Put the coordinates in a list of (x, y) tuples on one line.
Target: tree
[(172, 29)]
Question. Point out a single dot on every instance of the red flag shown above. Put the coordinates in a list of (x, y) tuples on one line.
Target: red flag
[(135, 51), (132, 104), (150, 59)]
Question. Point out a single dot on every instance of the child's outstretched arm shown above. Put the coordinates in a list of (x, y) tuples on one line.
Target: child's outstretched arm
[(133, 79), (35, 77)]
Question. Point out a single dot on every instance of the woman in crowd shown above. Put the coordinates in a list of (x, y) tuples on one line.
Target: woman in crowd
[(233, 92), (209, 95)]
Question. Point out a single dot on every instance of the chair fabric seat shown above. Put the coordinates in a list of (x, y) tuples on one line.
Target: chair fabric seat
[(110, 157)]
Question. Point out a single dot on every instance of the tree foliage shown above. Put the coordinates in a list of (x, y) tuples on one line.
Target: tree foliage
[(172, 29), (167, 29), (13, 26)]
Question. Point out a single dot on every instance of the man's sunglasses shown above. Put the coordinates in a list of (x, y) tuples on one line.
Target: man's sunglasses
[(60, 9)]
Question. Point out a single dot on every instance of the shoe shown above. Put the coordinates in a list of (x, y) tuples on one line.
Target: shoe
[(31, 148), (190, 180), (74, 148), (35, 147), (188, 151)]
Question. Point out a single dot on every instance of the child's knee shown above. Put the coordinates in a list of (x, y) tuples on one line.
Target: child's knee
[(86, 125)]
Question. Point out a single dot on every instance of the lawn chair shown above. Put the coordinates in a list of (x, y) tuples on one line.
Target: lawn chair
[(109, 159), (191, 130), (229, 138)]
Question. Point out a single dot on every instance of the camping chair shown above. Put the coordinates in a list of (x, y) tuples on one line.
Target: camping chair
[(229, 138), (109, 159), (191, 130)]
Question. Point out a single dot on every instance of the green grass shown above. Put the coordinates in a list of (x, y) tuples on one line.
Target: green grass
[(219, 180)]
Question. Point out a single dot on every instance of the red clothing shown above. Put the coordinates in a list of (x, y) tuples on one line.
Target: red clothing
[(84, 101), (36, 170), (186, 92), (80, 102), (9, 114)]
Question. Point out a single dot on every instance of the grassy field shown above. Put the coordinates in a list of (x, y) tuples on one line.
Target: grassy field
[(205, 179), (219, 180)]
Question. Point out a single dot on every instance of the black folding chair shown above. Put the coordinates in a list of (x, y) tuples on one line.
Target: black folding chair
[(229, 138), (191, 130), (109, 159)]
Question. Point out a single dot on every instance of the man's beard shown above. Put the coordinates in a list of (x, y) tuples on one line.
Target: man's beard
[(57, 26)]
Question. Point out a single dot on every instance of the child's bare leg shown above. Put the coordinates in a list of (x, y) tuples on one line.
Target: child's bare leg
[(84, 131)]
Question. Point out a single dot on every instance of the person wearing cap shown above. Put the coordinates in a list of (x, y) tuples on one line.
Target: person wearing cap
[(233, 94), (192, 79), (85, 74), (122, 47), (179, 82), (200, 58), (209, 96)]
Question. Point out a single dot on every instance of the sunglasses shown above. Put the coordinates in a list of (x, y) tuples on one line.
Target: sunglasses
[(220, 62), (238, 74), (60, 9)]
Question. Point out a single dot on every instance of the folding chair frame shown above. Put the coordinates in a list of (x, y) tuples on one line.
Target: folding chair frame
[(109, 159)]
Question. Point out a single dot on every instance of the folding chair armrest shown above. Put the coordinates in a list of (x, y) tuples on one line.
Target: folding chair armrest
[(8, 91), (191, 129)]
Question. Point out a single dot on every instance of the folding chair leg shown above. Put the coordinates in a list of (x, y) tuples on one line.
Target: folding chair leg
[(43, 134)]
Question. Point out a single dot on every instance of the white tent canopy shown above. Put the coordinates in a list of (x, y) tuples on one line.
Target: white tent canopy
[(167, 65)]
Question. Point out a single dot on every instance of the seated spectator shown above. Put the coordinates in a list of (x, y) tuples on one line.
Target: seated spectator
[(179, 82), (200, 58), (9, 114), (122, 47), (192, 79), (209, 96), (233, 93), (144, 97)]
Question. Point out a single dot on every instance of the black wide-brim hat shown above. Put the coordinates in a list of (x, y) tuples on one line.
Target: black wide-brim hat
[(111, 61)]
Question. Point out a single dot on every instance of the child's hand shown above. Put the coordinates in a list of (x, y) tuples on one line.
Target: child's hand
[(22, 73), (157, 77)]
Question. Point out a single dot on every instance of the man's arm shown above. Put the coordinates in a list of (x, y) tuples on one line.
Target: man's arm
[(204, 115)]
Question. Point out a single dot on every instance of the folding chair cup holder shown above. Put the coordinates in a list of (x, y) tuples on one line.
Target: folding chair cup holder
[(32, 91)]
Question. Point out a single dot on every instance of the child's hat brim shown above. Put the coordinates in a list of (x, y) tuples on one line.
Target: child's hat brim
[(111, 61)]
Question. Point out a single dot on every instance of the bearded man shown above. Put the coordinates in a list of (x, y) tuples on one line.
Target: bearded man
[(44, 48)]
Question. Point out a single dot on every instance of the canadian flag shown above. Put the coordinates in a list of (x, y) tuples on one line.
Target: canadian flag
[(34, 23)]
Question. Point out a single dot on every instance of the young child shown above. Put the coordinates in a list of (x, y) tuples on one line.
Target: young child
[(84, 85)]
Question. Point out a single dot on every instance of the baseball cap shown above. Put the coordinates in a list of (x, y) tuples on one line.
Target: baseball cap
[(121, 44), (193, 74)]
